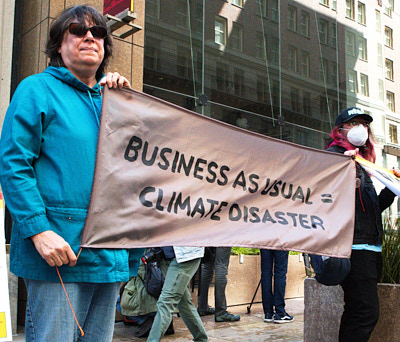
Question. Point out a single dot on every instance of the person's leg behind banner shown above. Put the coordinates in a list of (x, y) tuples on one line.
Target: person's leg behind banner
[(207, 272), (222, 257), (361, 309), (280, 270), (176, 283), (266, 284)]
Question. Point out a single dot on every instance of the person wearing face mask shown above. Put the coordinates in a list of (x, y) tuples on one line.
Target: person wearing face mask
[(352, 135)]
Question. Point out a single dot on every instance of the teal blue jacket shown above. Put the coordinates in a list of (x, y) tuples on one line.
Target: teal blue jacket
[(47, 158)]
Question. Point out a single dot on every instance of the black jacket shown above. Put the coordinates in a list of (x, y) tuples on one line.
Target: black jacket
[(369, 206)]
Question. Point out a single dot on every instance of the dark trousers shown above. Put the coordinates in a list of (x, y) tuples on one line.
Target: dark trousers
[(273, 266), (220, 266), (361, 309)]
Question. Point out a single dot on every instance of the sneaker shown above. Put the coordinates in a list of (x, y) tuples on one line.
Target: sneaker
[(286, 318), (209, 311), (227, 317), (269, 317)]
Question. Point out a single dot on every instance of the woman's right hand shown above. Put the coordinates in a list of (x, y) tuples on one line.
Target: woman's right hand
[(351, 153), (54, 249)]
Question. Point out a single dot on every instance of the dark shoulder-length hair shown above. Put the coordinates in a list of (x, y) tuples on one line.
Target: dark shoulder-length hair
[(81, 14), (367, 151)]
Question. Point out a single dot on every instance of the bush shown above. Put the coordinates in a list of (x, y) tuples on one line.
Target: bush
[(245, 251), (391, 252)]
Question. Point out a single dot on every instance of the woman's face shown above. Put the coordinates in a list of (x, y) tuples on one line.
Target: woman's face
[(353, 123), (82, 55)]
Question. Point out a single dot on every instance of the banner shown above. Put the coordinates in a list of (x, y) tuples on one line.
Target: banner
[(5, 315), (168, 176), (385, 176)]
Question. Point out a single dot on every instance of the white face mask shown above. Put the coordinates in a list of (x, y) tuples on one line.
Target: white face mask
[(357, 135)]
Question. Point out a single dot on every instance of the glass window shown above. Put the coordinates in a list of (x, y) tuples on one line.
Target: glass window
[(351, 44), (238, 82), (333, 34), (295, 99), (393, 134), (305, 23), (151, 54), (237, 2), (388, 37), (262, 7), (222, 77), (274, 51), (380, 90), (306, 103), (334, 5), (362, 48), (352, 81), (324, 2), (182, 19), (236, 38), (361, 13), (379, 55), (390, 101), (364, 84), (275, 10), (350, 9), (262, 89), (388, 5), (183, 63), (378, 20), (292, 18), (323, 31), (305, 63), (292, 58), (220, 30), (389, 69), (153, 9), (260, 46), (323, 70), (334, 71)]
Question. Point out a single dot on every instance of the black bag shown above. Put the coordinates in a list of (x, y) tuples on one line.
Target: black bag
[(154, 279), (330, 271)]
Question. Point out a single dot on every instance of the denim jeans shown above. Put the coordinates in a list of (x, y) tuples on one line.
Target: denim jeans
[(175, 294), (273, 263), (220, 265), (49, 316)]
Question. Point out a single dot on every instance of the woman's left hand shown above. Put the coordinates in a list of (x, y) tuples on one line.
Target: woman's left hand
[(114, 80)]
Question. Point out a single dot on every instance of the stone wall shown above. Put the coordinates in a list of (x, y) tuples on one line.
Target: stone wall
[(323, 308)]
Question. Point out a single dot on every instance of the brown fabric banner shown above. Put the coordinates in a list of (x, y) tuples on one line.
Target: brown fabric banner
[(168, 176)]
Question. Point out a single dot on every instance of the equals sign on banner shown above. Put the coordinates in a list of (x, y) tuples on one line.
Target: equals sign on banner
[(326, 198)]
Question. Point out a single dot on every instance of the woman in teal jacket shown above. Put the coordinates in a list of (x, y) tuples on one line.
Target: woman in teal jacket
[(47, 159)]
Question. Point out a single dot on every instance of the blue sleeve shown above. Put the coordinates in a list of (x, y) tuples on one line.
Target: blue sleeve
[(134, 260), (20, 145)]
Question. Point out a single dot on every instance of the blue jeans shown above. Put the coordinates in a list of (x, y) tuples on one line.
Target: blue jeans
[(49, 316), (175, 294), (220, 266), (273, 263)]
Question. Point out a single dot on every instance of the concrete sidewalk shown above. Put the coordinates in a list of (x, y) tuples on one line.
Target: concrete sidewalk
[(250, 328)]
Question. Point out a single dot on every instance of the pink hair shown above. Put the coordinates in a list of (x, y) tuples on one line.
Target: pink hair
[(367, 151)]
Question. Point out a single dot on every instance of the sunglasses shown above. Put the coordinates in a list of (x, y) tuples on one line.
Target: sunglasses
[(80, 30)]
